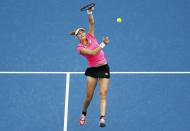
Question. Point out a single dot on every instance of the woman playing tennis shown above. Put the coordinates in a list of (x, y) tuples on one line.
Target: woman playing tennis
[(98, 69)]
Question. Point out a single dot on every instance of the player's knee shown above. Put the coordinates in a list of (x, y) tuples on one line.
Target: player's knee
[(103, 94)]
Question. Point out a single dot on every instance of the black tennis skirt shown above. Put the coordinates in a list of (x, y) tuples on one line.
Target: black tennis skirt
[(98, 72)]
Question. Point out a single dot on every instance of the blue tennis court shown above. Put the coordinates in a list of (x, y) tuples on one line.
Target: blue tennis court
[(154, 36)]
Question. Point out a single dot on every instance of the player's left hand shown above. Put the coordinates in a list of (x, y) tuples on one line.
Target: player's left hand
[(91, 9)]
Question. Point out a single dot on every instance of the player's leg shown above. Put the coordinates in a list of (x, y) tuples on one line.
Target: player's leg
[(90, 87), (104, 82)]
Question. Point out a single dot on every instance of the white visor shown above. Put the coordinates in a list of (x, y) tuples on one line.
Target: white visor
[(77, 30)]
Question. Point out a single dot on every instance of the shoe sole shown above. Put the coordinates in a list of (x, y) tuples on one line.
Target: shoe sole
[(102, 124)]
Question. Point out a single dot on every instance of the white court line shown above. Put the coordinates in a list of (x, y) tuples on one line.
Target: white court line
[(57, 73), (68, 82), (66, 102)]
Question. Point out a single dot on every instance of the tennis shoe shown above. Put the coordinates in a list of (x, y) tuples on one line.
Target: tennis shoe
[(102, 121), (82, 120)]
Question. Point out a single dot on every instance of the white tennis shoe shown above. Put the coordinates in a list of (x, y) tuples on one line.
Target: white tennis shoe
[(102, 122)]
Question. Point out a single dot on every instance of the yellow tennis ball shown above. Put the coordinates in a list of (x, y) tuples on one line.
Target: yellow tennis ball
[(119, 20)]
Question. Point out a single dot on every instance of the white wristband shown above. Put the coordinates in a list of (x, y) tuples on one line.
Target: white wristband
[(102, 44), (89, 12)]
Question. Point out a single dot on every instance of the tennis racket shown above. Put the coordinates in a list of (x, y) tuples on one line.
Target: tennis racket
[(87, 7)]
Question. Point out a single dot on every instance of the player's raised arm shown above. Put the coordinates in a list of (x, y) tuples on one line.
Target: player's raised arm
[(91, 20)]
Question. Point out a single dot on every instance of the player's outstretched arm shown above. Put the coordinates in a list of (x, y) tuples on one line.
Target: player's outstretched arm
[(91, 21)]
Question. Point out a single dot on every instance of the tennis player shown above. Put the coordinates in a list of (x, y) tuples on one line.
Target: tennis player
[(98, 69)]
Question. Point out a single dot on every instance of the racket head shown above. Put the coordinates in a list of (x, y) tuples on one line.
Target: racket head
[(87, 7)]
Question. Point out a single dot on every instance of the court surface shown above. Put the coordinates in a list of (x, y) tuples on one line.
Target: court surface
[(153, 37)]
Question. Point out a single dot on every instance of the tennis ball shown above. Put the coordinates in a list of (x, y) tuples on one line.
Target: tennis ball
[(119, 20)]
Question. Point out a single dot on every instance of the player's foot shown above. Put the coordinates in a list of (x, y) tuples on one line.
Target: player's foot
[(82, 120), (102, 122)]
